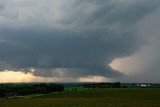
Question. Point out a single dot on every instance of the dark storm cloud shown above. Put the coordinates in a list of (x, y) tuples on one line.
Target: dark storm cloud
[(56, 49), (2, 6), (81, 38)]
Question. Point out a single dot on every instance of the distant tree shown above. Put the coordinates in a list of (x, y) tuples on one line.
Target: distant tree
[(102, 85), (24, 89)]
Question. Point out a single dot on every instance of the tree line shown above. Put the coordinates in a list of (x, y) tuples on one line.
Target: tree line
[(102, 85), (25, 89)]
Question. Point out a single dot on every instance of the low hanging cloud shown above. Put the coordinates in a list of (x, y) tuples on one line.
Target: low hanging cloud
[(70, 38)]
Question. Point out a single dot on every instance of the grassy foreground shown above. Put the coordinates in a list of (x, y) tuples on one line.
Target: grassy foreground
[(129, 97)]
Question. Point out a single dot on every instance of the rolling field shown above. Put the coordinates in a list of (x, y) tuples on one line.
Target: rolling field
[(129, 97)]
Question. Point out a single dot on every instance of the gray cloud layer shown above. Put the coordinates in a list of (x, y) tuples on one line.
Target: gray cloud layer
[(81, 37)]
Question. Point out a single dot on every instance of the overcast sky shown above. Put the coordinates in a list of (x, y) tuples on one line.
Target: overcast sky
[(105, 40)]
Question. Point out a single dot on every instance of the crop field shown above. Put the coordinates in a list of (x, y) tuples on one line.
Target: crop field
[(111, 97)]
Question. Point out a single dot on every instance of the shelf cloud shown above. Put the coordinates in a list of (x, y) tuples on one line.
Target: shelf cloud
[(70, 38)]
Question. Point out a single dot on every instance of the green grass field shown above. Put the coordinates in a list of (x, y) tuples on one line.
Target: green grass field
[(129, 97)]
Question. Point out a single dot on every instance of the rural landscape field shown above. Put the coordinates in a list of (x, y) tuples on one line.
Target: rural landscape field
[(79, 53), (77, 96)]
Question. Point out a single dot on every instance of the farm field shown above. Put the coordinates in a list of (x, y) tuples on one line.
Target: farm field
[(111, 97)]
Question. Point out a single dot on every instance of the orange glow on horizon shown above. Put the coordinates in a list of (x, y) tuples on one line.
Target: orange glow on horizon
[(18, 76), (94, 79), (12, 76)]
